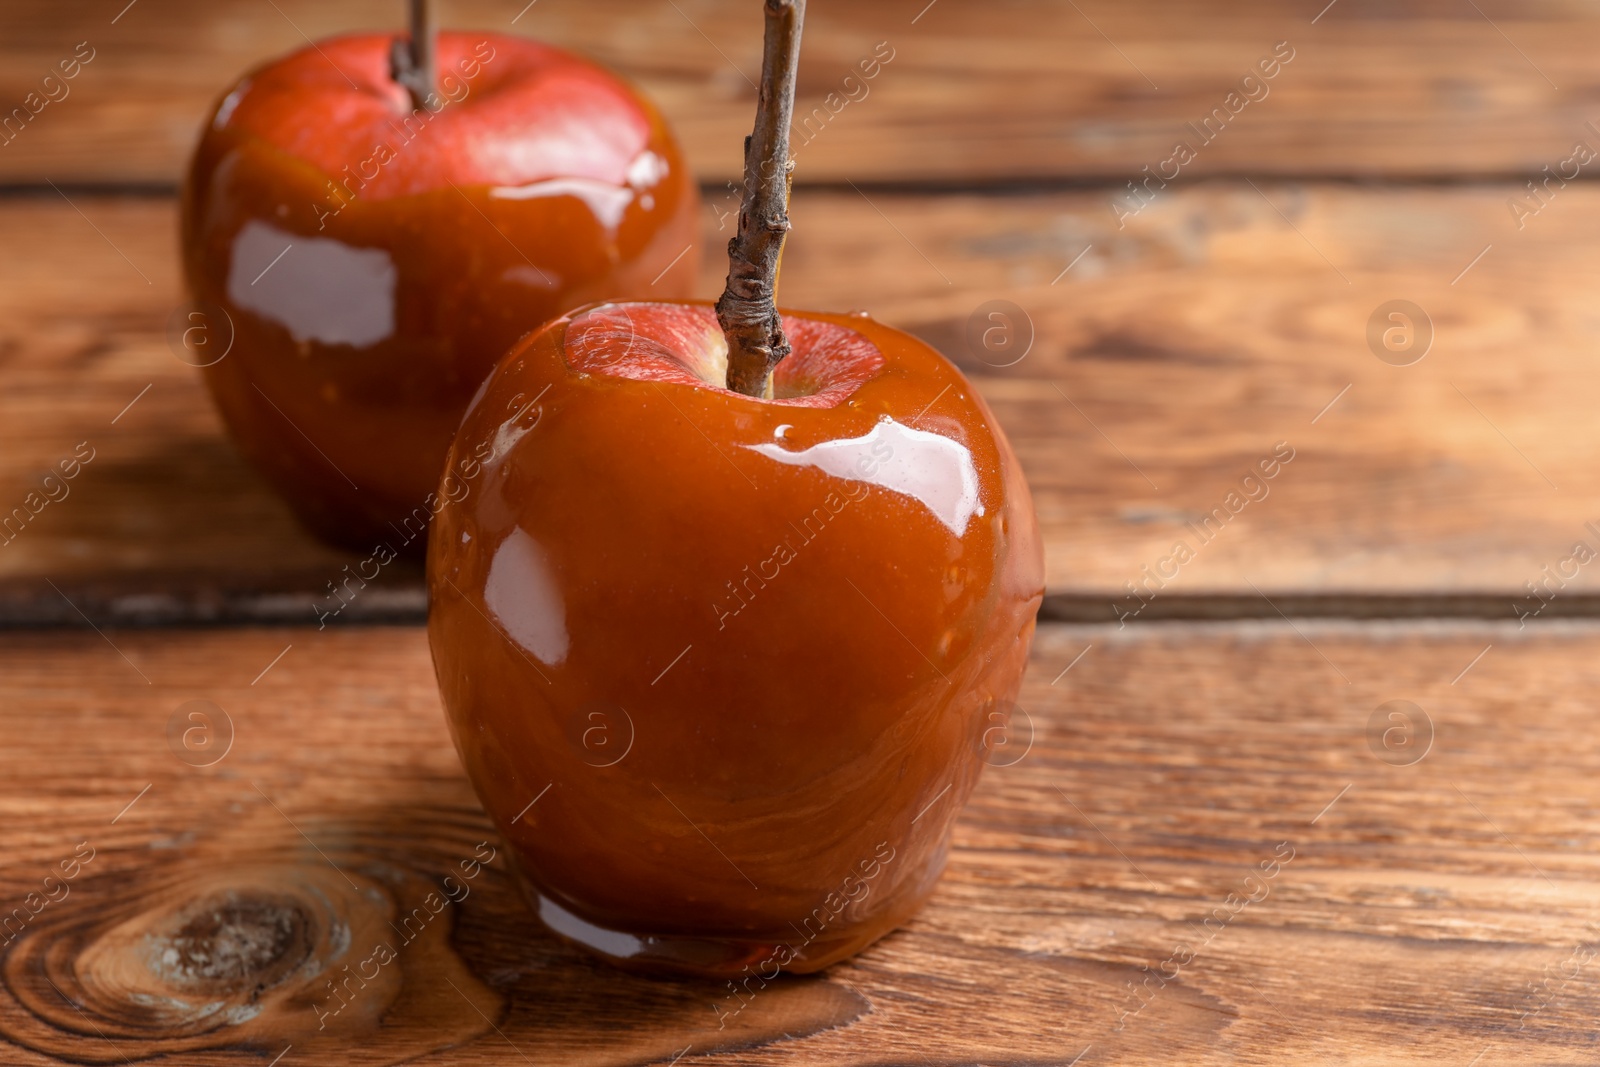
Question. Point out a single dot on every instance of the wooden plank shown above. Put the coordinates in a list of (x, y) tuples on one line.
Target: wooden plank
[(1230, 318), (974, 91), (1411, 891), (1168, 362), (163, 521)]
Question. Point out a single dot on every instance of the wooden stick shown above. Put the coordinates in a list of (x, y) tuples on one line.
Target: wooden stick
[(748, 309), (411, 62)]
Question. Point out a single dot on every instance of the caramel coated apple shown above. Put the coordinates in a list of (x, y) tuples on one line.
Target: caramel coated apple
[(371, 261), (719, 667)]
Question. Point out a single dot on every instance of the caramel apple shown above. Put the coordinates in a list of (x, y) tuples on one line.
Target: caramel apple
[(720, 665), (368, 228)]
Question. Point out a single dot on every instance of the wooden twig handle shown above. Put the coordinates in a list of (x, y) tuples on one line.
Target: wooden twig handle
[(748, 309), (411, 63)]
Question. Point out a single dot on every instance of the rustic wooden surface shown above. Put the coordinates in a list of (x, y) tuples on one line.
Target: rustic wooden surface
[(1432, 904), (975, 90), (1174, 355), (1440, 903)]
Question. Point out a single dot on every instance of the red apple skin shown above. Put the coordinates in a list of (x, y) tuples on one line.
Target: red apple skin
[(728, 784), (420, 247)]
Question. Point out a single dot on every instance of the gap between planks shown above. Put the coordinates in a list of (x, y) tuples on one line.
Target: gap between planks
[(24, 606), (997, 187)]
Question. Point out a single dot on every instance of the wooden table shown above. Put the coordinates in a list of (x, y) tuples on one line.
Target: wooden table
[(1350, 686)]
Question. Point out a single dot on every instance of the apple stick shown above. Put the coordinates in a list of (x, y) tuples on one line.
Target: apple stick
[(748, 309), (411, 62)]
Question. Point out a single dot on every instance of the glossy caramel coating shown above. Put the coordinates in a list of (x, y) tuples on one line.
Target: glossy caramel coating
[(416, 247), (743, 652)]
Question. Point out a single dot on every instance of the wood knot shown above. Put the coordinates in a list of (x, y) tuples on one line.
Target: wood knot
[(237, 940), (366, 949), (244, 955)]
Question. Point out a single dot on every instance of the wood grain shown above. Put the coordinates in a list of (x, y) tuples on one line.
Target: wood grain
[(1414, 904), (975, 92), (1170, 360)]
